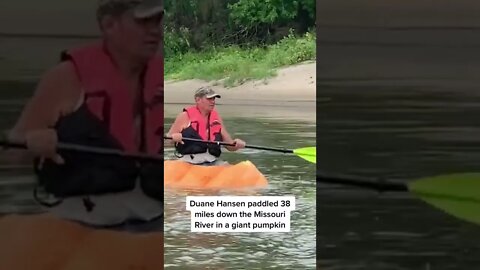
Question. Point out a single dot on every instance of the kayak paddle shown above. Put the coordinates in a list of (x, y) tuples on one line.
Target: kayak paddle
[(456, 194), (90, 150), (307, 153)]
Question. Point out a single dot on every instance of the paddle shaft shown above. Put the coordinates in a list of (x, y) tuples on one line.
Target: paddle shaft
[(90, 150), (282, 150), (375, 184)]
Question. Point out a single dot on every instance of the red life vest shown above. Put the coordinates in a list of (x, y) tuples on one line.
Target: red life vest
[(107, 96), (106, 119), (207, 131), (200, 128)]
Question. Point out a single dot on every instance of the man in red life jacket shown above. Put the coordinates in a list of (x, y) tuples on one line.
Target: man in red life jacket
[(108, 94), (201, 121)]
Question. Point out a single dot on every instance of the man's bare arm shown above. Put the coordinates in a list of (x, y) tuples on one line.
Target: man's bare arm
[(177, 127), (57, 94)]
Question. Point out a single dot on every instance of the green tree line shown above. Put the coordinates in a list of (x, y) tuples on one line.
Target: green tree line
[(196, 25)]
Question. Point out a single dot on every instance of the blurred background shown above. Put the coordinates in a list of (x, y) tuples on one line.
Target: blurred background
[(399, 98)]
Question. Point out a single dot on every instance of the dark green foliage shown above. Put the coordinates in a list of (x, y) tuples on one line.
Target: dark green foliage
[(199, 24), (236, 40)]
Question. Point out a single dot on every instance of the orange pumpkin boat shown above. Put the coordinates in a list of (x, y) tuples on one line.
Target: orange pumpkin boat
[(180, 174), (43, 242)]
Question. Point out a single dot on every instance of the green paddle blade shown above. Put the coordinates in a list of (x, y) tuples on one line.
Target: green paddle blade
[(307, 153), (456, 194)]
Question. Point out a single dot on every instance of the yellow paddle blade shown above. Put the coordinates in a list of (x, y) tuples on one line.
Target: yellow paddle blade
[(307, 153), (455, 194)]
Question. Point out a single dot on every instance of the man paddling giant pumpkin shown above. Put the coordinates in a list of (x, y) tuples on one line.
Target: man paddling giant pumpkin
[(201, 121), (108, 94), (198, 165)]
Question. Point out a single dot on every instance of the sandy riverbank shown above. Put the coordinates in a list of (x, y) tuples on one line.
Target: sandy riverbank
[(290, 94)]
